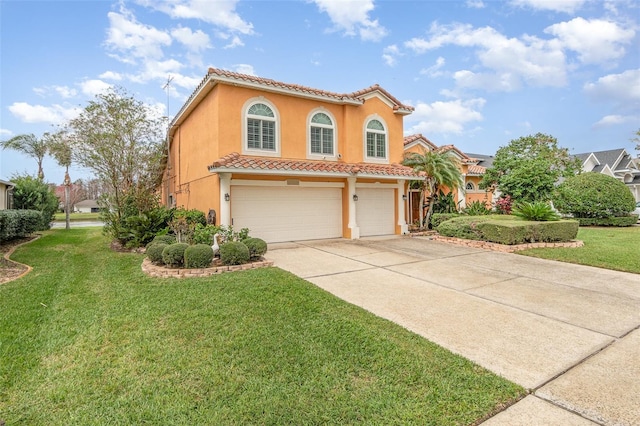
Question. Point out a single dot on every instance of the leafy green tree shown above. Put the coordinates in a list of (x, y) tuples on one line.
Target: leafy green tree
[(636, 140), (529, 167), (33, 194), (440, 168), (31, 146), (120, 139)]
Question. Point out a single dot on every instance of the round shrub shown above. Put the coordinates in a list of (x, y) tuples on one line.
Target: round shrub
[(257, 247), (593, 195), (173, 254), (234, 253), (166, 239), (154, 252), (198, 256)]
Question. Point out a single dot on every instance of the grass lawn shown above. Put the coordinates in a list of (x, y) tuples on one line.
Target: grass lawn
[(87, 339), (606, 247), (61, 217)]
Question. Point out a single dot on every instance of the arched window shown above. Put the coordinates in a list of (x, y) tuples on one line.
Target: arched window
[(321, 135), (376, 140), (261, 128), (470, 186)]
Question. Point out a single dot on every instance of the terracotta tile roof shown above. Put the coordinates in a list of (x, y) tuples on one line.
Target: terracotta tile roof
[(412, 138), (355, 97), (235, 162), (476, 170)]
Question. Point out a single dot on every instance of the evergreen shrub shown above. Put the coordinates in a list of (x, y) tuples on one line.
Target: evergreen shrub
[(173, 254), (198, 256), (154, 252), (257, 247), (234, 253)]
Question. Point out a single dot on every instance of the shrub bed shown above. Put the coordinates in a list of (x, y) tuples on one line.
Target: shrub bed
[(609, 221), (508, 230), (19, 223), (438, 218)]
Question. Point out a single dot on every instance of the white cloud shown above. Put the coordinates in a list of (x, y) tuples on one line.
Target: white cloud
[(235, 42), (566, 6), (111, 75), (435, 69), (448, 117), (509, 60), (193, 41), (244, 69), (613, 120), (352, 17), (64, 92), (622, 89), (5, 132), (54, 114), (94, 87), (221, 13), (134, 40), (595, 41), (390, 55), (475, 4)]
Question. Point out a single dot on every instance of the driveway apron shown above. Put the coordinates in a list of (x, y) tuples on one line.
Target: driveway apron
[(568, 333)]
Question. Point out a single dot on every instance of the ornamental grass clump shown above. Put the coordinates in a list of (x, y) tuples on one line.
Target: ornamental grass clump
[(154, 252), (173, 254), (537, 211), (198, 256), (257, 247), (234, 253)]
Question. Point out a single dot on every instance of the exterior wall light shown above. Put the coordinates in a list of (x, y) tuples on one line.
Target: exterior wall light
[(226, 197), (355, 197), (404, 197)]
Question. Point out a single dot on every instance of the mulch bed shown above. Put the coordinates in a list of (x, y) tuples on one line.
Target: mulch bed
[(10, 270)]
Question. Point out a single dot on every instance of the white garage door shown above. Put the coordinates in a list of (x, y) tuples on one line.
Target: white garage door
[(290, 213), (375, 211)]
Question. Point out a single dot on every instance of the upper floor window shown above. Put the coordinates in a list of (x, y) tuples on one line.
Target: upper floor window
[(470, 187), (261, 128), (321, 135), (376, 140)]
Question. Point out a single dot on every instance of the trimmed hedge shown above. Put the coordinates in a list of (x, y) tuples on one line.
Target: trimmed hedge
[(19, 223), (257, 247), (173, 254), (154, 252), (610, 221), (507, 230), (164, 239), (438, 218), (234, 253), (198, 256)]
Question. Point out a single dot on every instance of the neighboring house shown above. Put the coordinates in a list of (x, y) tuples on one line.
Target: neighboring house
[(87, 206), (289, 162), (617, 163), (472, 167), (6, 194)]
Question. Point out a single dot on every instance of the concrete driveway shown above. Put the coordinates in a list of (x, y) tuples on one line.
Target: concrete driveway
[(569, 333)]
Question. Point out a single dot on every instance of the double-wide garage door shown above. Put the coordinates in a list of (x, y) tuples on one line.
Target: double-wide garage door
[(287, 213)]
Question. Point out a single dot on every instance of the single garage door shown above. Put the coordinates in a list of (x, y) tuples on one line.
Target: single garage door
[(375, 211), (289, 213)]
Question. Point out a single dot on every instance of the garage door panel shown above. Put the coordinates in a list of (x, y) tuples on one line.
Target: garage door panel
[(288, 213), (375, 212)]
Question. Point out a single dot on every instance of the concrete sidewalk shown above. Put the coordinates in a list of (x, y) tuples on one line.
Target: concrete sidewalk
[(568, 333)]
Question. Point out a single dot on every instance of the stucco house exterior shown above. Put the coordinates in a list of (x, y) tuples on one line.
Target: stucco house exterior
[(6, 197), (617, 163), (87, 206), (472, 167), (289, 162)]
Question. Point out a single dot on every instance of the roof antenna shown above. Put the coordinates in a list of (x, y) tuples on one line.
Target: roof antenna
[(167, 87)]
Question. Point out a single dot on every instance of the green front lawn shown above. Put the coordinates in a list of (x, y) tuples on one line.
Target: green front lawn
[(87, 339), (61, 217), (606, 247)]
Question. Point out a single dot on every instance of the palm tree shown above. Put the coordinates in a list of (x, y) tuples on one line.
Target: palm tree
[(59, 147), (439, 168), (30, 145)]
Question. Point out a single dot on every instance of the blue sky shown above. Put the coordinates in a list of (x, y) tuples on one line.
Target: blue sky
[(479, 73)]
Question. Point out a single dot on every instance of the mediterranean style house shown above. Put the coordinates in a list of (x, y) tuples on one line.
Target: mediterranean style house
[(289, 162), (472, 167), (617, 163)]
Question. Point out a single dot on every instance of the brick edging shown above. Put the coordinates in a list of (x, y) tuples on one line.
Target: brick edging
[(158, 271), (504, 247)]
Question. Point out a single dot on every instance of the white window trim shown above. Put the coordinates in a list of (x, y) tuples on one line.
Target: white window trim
[(378, 160), (314, 156), (253, 151)]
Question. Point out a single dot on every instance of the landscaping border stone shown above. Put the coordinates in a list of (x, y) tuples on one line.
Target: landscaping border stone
[(158, 271), (504, 247)]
